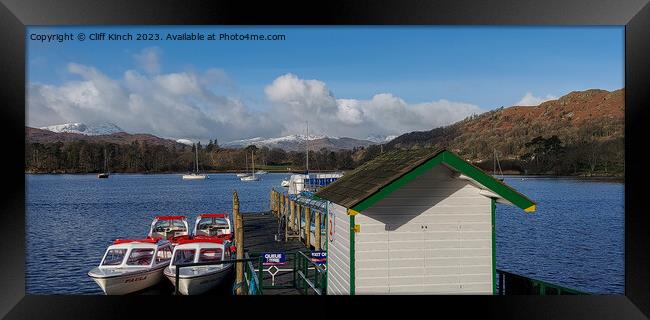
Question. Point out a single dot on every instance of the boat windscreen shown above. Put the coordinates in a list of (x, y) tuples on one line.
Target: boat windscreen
[(114, 257), (140, 257), (168, 228), (210, 255), (212, 226), (183, 256), (164, 254)]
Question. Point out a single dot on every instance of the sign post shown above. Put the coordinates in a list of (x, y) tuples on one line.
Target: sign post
[(273, 259)]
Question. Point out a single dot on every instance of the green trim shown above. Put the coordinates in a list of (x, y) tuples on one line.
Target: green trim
[(460, 165), (494, 246), (352, 260)]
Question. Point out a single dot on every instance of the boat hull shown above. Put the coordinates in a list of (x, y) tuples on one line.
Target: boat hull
[(128, 282), (194, 177), (200, 283), (102, 175)]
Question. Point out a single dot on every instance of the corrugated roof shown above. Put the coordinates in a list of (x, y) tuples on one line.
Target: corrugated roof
[(367, 179), (379, 177)]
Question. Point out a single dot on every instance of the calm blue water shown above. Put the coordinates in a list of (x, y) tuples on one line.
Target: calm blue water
[(575, 238)]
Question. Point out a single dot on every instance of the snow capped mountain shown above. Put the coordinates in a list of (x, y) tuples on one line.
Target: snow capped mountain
[(94, 129), (297, 142), (380, 139), (185, 142)]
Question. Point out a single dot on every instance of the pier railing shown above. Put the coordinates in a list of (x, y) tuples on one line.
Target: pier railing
[(514, 284), (312, 278), (299, 272)]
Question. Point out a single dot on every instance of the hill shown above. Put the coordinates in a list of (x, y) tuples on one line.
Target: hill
[(579, 133)]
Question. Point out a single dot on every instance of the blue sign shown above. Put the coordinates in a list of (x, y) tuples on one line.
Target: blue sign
[(319, 257), (274, 258)]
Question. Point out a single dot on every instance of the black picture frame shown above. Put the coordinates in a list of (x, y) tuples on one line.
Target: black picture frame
[(15, 15)]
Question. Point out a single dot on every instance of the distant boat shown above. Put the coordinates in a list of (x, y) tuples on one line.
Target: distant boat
[(252, 176), (285, 183), (261, 172), (244, 174), (195, 175), (104, 174)]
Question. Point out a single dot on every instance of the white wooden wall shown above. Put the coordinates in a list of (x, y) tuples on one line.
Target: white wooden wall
[(432, 236), (338, 251)]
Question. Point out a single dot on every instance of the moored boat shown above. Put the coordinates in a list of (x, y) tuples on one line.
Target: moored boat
[(252, 176), (199, 279), (195, 175), (213, 225), (132, 265), (170, 228)]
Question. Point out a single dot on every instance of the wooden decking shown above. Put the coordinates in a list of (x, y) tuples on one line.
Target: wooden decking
[(260, 230)]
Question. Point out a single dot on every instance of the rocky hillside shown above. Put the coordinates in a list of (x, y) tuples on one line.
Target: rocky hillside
[(581, 132)]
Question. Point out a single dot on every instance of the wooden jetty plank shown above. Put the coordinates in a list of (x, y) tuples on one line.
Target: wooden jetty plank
[(260, 229)]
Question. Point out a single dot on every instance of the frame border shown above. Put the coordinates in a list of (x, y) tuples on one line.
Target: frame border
[(634, 14)]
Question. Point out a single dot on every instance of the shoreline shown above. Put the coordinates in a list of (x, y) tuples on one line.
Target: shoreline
[(510, 175)]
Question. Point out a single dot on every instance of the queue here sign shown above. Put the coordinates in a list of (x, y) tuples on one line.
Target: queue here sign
[(274, 258)]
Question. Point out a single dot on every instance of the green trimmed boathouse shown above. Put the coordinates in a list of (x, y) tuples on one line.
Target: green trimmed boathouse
[(414, 221)]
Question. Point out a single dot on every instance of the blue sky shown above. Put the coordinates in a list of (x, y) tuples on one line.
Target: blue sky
[(357, 68)]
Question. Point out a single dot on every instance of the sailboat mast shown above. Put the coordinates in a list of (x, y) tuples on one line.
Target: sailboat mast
[(307, 146), (253, 163), (494, 162), (196, 163)]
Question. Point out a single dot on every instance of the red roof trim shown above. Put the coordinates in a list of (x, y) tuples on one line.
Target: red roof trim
[(213, 215), (171, 217), (198, 239), (145, 240)]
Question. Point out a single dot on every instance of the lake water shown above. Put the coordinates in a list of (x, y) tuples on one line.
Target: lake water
[(575, 238)]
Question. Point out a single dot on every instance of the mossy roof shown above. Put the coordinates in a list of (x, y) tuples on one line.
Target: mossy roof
[(376, 179)]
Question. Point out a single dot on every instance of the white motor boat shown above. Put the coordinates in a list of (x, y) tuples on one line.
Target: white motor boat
[(199, 279), (170, 228), (260, 172), (132, 265), (285, 183), (311, 182), (239, 175), (213, 225)]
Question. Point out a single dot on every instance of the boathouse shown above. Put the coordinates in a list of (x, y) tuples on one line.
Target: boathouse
[(414, 221)]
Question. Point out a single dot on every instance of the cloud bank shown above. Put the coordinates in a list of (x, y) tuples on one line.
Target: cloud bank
[(184, 105)]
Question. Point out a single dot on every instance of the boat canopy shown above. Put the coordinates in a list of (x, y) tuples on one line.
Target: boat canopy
[(213, 215), (307, 199), (170, 218), (145, 240)]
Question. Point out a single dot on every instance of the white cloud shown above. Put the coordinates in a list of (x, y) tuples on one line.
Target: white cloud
[(166, 105), (302, 100), (185, 105), (148, 59), (530, 100)]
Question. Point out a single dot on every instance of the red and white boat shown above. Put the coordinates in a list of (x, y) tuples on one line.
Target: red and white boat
[(131, 265), (172, 228), (201, 249), (213, 225)]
